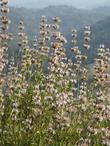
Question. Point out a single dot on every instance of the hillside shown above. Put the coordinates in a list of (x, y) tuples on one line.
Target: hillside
[(101, 32), (100, 35), (104, 10), (70, 17)]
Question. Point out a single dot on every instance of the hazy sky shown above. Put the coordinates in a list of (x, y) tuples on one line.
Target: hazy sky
[(77, 3)]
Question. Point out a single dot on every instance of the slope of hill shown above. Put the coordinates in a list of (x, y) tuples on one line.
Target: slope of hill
[(100, 35), (101, 32), (104, 10), (70, 17)]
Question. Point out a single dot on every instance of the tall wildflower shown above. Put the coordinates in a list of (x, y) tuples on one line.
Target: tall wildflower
[(59, 87), (80, 66), (77, 65), (102, 101), (101, 71), (4, 37), (84, 79), (44, 36), (25, 55)]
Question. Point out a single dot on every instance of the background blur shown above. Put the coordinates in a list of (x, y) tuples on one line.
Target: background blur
[(42, 3)]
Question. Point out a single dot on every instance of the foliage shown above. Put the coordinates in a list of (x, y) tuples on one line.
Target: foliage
[(59, 107)]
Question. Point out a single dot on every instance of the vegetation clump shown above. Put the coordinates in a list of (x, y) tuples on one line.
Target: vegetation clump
[(47, 99)]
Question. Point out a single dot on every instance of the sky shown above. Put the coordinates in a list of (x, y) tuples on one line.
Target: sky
[(43, 3)]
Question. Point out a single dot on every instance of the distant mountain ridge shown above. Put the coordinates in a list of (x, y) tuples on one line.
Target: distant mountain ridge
[(45, 3), (99, 19), (69, 15)]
